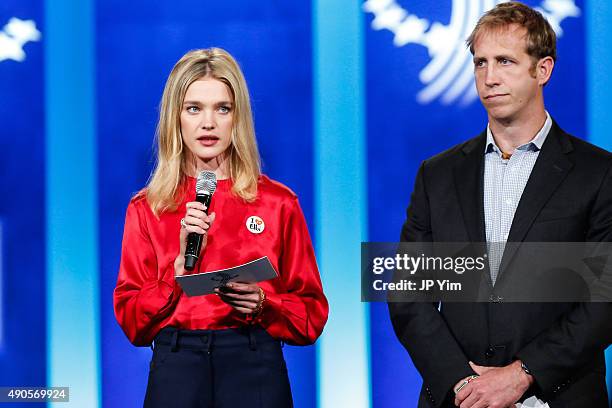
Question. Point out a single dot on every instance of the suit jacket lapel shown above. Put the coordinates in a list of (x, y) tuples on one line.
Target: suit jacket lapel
[(469, 183), (551, 167)]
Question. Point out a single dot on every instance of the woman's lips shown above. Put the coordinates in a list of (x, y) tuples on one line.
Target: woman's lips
[(208, 140)]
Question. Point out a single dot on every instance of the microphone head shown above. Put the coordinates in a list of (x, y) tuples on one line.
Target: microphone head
[(206, 183)]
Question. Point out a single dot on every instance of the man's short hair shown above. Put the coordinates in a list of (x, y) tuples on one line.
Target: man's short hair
[(541, 38)]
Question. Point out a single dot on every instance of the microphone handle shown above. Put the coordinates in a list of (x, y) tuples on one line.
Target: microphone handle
[(194, 240)]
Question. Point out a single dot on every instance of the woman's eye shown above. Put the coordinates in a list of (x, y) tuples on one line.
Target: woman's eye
[(193, 109), (224, 109)]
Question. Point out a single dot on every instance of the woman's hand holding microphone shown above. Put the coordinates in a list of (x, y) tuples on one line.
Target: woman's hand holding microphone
[(195, 220)]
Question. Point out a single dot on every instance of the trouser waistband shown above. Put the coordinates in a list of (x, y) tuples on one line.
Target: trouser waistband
[(207, 339)]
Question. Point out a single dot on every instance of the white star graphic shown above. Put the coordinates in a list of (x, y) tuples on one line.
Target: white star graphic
[(13, 37)]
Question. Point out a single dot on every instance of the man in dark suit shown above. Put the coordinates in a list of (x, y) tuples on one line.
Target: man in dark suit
[(522, 180)]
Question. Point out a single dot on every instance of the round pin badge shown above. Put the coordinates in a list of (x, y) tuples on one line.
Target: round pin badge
[(255, 224)]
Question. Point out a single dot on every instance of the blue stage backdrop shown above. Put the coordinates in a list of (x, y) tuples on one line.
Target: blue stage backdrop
[(22, 188), (349, 97)]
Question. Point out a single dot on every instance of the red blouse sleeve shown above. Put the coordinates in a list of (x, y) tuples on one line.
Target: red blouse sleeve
[(146, 292), (298, 314)]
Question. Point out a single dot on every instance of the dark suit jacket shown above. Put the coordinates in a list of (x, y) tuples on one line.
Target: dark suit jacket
[(568, 198)]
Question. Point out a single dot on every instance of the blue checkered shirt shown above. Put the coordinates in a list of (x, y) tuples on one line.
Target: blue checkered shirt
[(504, 182)]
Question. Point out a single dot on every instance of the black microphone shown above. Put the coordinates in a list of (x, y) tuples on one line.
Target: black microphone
[(206, 185)]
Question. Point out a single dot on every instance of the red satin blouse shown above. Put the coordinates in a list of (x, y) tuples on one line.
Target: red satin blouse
[(147, 297)]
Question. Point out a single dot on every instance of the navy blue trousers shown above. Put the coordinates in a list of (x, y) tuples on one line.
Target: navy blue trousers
[(230, 368)]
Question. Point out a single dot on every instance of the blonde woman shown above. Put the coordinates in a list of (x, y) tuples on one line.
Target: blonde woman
[(224, 349)]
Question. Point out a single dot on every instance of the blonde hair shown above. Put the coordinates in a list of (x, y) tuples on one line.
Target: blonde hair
[(541, 38), (163, 190)]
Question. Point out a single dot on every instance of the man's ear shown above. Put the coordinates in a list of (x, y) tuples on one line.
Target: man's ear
[(544, 69)]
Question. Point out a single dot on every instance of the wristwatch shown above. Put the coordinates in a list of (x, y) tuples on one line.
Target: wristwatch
[(525, 369)]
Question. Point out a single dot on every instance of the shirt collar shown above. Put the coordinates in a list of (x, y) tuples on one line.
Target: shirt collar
[(535, 143)]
